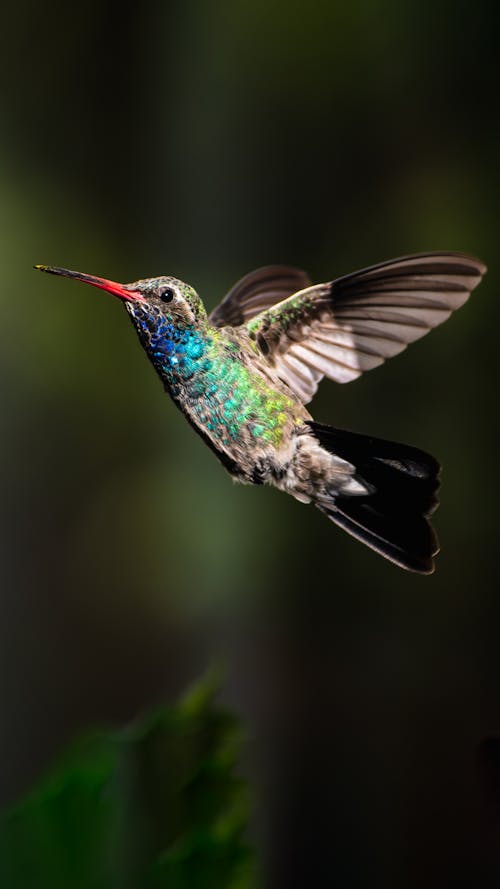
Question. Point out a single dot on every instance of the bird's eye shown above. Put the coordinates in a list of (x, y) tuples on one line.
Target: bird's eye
[(167, 295)]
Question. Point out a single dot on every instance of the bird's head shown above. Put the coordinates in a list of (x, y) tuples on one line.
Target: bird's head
[(154, 299)]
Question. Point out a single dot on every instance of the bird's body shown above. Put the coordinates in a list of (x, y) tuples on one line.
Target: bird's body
[(243, 375), (233, 398)]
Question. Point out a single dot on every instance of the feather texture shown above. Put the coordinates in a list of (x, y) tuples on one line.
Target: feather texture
[(256, 292), (342, 328)]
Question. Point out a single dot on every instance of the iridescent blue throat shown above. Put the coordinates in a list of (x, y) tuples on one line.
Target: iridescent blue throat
[(176, 352)]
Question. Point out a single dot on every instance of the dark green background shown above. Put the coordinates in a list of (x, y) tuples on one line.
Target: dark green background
[(201, 140)]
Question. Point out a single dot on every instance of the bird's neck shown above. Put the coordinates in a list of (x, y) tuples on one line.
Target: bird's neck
[(181, 353)]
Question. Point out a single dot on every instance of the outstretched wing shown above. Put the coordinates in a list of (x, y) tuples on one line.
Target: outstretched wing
[(347, 326), (257, 291)]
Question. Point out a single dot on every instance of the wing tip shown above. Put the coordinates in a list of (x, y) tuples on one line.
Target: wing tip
[(478, 267), (470, 266)]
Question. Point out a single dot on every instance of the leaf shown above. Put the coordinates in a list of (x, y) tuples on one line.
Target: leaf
[(157, 805)]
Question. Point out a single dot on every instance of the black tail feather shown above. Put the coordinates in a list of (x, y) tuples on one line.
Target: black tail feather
[(402, 482)]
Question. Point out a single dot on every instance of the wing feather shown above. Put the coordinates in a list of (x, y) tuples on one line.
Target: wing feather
[(350, 325), (256, 292)]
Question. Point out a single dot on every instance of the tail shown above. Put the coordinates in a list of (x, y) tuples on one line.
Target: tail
[(392, 518)]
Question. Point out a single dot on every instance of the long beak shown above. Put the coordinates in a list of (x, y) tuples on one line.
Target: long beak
[(119, 290)]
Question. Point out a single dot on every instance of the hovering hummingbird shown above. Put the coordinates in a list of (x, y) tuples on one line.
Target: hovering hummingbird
[(243, 375)]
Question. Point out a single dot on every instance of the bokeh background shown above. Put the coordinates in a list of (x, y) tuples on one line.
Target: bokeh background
[(204, 139)]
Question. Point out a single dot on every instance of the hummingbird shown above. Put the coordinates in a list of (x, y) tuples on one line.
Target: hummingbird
[(243, 375)]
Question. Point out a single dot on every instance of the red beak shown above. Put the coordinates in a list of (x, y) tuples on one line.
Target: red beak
[(119, 290)]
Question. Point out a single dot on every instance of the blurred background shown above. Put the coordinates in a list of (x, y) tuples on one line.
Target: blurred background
[(202, 140)]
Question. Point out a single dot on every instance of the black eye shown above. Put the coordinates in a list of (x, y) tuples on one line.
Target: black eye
[(167, 295)]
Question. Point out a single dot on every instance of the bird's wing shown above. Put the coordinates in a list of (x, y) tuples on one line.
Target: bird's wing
[(347, 326), (257, 291)]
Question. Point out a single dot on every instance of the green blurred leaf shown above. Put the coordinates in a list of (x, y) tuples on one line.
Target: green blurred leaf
[(155, 806)]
